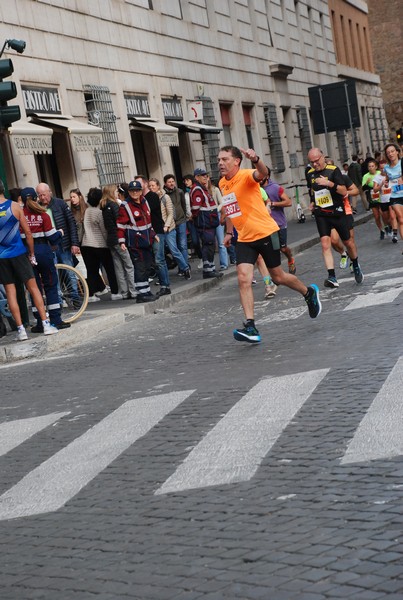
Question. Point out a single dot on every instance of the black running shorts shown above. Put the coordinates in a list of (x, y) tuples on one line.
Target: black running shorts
[(15, 269), (341, 224), (268, 248)]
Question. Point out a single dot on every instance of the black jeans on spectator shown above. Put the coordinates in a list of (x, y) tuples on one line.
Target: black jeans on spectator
[(142, 259), (93, 259)]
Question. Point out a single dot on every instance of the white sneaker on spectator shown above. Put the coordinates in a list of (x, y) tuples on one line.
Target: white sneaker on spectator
[(104, 291), (94, 299), (49, 329), (116, 297), (21, 335)]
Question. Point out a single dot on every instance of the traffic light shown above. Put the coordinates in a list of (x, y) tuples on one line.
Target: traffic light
[(399, 135), (8, 91)]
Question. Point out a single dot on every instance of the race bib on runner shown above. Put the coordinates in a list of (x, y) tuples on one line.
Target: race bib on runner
[(231, 206), (397, 187), (323, 199), (375, 196), (386, 194)]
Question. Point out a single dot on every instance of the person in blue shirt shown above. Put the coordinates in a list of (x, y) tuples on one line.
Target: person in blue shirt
[(394, 172), (16, 264)]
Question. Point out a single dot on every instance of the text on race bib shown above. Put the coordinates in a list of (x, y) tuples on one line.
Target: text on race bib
[(231, 206), (323, 199)]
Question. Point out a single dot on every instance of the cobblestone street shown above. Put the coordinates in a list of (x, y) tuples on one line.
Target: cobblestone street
[(175, 463)]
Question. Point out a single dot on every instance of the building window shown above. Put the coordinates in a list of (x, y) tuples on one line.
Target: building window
[(247, 119), (342, 144), (100, 113), (225, 110), (304, 131), (273, 135), (173, 8)]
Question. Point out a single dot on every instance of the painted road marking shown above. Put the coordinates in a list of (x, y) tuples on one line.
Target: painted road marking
[(374, 299), (389, 282), (375, 274), (48, 487), (234, 449), (14, 433), (380, 433), (284, 315)]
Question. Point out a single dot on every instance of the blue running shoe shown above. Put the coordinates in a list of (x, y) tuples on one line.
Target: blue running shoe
[(358, 274), (331, 282), (313, 301), (247, 334)]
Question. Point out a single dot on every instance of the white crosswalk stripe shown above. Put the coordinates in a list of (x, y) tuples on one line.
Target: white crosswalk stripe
[(233, 450), (380, 433), (389, 282), (49, 486), (14, 433), (284, 315), (374, 274), (230, 452), (374, 299)]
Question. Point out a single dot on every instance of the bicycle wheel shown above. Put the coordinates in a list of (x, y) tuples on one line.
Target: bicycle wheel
[(74, 292)]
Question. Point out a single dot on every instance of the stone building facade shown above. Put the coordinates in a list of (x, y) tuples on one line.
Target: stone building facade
[(113, 88), (386, 27)]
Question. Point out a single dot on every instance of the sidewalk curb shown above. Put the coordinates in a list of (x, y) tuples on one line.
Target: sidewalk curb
[(86, 329), (91, 326)]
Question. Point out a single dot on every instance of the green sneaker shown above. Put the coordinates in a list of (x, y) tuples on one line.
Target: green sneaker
[(344, 260)]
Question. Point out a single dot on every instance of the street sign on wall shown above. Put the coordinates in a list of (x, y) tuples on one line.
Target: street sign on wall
[(334, 106)]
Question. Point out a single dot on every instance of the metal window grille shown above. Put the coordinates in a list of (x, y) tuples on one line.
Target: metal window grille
[(210, 141), (100, 113), (342, 144), (304, 131), (356, 140), (377, 128), (273, 134)]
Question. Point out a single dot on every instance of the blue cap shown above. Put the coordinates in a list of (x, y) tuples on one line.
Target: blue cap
[(28, 191), (199, 172), (135, 185)]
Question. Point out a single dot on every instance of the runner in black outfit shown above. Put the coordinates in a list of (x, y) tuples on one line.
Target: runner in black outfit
[(327, 190)]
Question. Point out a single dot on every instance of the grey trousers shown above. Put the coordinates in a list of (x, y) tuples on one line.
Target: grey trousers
[(124, 271)]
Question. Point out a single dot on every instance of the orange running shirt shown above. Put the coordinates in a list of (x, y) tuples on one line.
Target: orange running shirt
[(242, 202)]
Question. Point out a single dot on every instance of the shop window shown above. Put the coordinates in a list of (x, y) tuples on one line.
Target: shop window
[(273, 135), (100, 113), (225, 110), (247, 119)]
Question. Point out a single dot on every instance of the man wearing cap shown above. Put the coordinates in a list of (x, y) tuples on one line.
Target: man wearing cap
[(136, 234), (62, 218), (206, 219), (45, 236), (16, 264)]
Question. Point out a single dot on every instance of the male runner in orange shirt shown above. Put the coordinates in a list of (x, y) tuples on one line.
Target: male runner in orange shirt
[(257, 234)]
